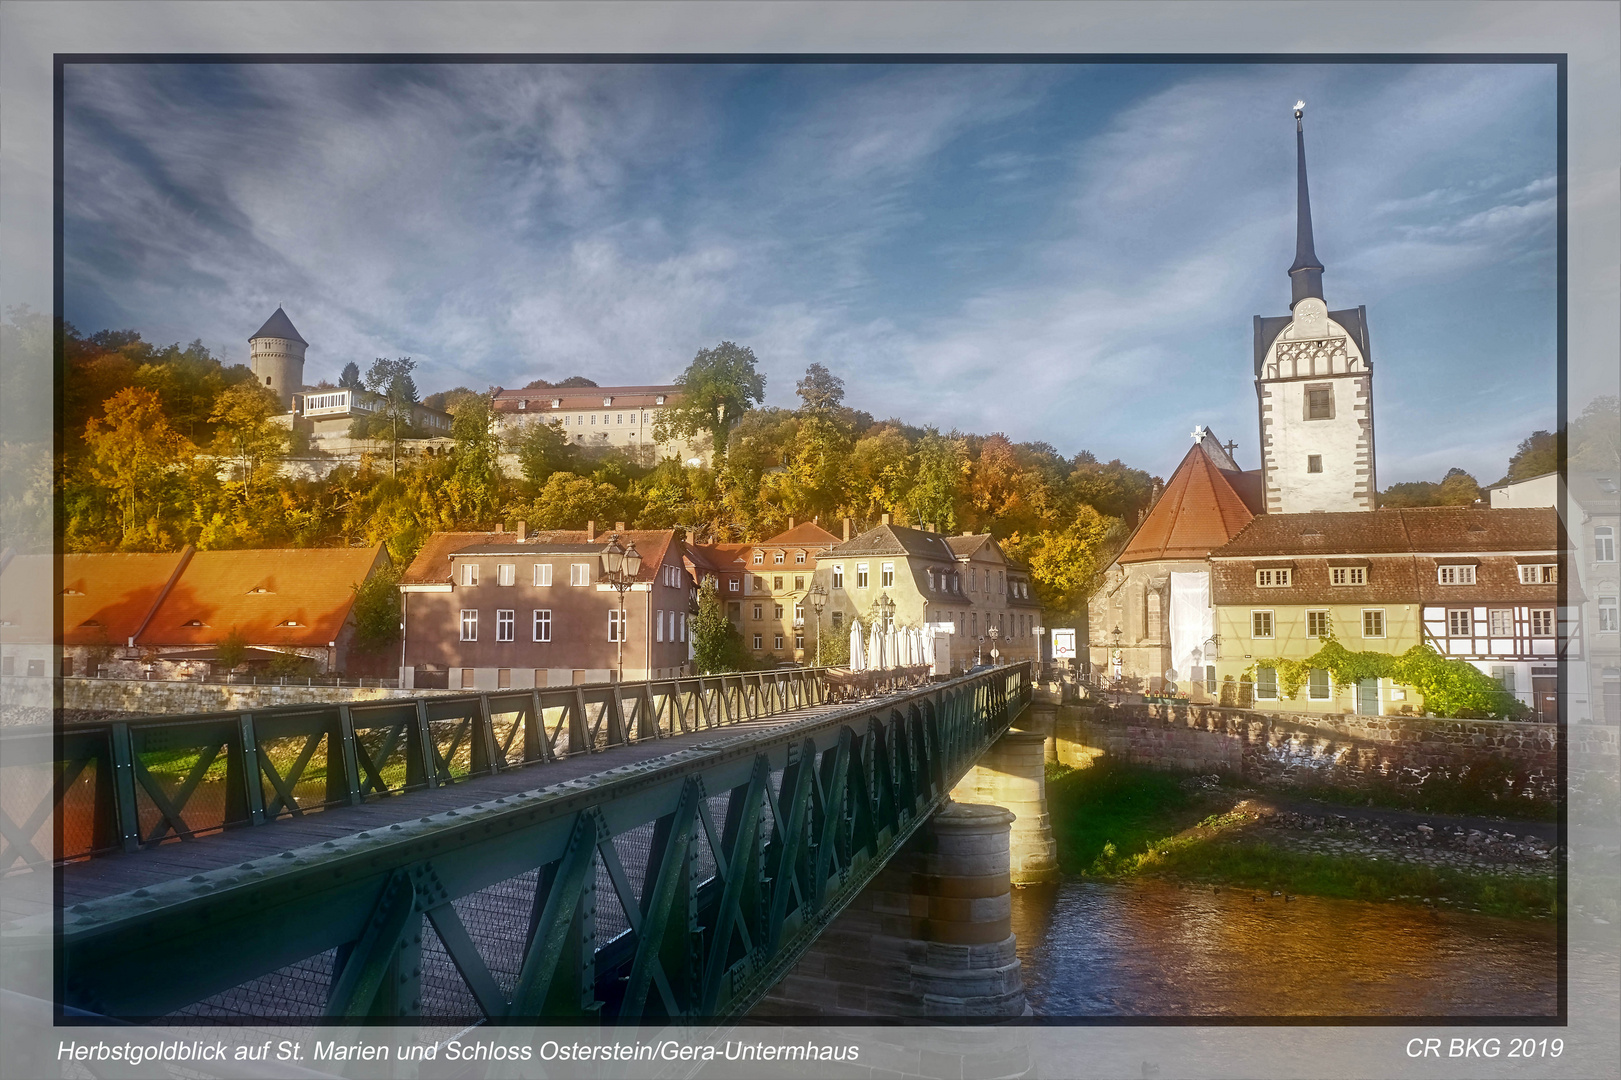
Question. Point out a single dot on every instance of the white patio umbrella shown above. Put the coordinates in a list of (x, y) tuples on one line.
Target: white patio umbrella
[(876, 660), (857, 659), (911, 646), (928, 649), (892, 646)]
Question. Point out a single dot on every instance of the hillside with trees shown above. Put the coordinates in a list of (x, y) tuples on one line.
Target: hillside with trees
[(146, 428)]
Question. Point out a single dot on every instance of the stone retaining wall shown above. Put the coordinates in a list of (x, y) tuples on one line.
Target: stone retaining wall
[(1354, 752), (23, 696)]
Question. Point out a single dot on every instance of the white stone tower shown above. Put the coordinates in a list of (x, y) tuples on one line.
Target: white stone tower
[(276, 355), (1314, 385)]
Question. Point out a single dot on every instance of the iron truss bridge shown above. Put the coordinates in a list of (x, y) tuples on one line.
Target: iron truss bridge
[(677, 886)]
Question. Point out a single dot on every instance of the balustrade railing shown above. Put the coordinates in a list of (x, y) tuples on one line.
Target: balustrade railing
[(682, 888), (125, 784)]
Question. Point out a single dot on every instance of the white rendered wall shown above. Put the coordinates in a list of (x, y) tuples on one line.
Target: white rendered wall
[(1315, 351), (1537, 491)]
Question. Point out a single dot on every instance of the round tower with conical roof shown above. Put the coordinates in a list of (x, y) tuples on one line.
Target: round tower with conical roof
[(276, 355)]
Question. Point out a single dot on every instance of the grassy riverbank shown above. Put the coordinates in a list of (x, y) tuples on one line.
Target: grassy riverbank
[(1117, 821)]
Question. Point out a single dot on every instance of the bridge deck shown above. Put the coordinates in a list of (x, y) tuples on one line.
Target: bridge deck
[(108, 874)]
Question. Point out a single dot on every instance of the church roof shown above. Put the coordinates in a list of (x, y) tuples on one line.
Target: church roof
[(279, 326), (1203, 507)]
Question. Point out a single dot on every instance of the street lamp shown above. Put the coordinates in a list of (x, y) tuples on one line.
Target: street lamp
[(818, 599), (994, 632), (623, 564)]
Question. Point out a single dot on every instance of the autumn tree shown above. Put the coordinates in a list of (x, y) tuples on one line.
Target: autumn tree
[(476, 478), (392, 379), (130, 448), (718, 387), (1537, 454), (245, 427), (939, 466)]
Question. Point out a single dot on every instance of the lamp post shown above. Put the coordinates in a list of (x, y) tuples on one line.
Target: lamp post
[(623, 564), (994, 632), (818, 599)]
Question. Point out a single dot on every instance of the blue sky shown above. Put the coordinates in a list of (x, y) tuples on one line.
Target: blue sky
[(1065, 252)]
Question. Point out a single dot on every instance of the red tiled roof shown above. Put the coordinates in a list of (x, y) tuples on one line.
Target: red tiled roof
[(1201, 509), (809, 534), (259, 593), (1409, 529), (432, 563), (106, 597), (587, 398)]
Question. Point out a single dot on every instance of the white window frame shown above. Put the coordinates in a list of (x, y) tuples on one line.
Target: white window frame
[(1603, 543), (886, 575), (1257, 618), (543, 574), (759, 642), (506, 624), (1543, 623), (1455, 574), (861, 575), (1324, 621), (541, 627), (469, 574), (579, 574), (506, 573), (1539, 574), (799, 558), (1460, 617), (1274, 577), (1503, 617), (778, 558), (734, 584), (469, 624), (1261, 695), (616, 627), (658, 626), (838, 575), (1609, 615), (1348, 575), (1328, 684), (759, 558), (1378, 618), (1504, 674)]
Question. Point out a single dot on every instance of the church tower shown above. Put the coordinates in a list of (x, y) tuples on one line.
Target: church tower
[(276, 356), (1314, 386)]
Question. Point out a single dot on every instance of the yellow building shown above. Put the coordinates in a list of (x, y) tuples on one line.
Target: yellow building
[(1476, 585)]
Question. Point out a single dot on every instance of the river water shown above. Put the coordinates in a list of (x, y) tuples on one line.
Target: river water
[(1152, 949)]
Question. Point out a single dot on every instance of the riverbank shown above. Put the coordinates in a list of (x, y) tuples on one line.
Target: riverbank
[(1116, 821)]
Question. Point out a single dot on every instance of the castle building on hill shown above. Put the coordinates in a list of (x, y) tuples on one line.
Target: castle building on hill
[(276, 357)]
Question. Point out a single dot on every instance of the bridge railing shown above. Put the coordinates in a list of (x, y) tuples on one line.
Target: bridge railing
[(681, 887), (125, 784)]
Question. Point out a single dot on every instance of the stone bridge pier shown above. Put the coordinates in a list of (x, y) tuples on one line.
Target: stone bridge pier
[(931, 936), (1013, 774)]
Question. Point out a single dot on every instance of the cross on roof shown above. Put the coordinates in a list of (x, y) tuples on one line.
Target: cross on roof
[(1198, 433)]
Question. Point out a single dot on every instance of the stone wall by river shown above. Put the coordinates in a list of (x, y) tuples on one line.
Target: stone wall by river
[(1348, 752)]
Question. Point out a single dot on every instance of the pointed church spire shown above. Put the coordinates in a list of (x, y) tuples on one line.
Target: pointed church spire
[(1306, 275)]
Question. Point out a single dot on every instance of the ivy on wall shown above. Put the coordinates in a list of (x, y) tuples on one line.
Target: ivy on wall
[(1451, 688)]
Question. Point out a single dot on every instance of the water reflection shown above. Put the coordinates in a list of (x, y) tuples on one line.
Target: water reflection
[(1153, 949)]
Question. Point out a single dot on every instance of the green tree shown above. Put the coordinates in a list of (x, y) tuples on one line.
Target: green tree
[(718, 387), (1595, 437), (130, 448), (568, 501), (377, 611), (939, 467), (392, 379), (476, 478), (245, 427), (232, 650), (542, 449), (716, 645), (1537, 454), (350, 378), (820, 390)]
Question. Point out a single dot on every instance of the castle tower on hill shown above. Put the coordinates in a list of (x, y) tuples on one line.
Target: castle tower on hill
[(276, 356), (1314, 386)]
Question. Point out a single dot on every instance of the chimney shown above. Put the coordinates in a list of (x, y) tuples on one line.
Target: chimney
[(886, 519), (500, 527), (619, 526), (523, 531), (847, 528), (790, 524), (591, 532), (968, 532)]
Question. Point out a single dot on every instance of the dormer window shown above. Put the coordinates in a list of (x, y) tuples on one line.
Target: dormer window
[(290, 622), (523, 404), (1348, 575), (557, 403), (90, 622), (1455, 575), (1274, 578), (607, 401), (193, 622), (70, 591), (260, 590), (1539, 574), (659, 400)]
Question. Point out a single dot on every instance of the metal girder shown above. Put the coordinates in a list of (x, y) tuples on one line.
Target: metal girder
[(705, 938)]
